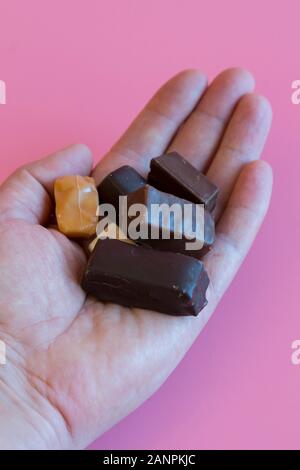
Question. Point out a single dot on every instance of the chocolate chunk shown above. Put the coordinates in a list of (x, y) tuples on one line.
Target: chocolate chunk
[(175, 175), (177, 229), (121, 182), (135, 276)]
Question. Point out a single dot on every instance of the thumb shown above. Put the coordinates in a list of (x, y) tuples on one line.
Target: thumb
[(27, 193)]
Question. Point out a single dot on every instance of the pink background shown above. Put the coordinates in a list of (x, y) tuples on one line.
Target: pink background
[(79, 71)]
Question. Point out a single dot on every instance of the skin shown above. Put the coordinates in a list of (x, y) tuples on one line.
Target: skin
[(76, 366)]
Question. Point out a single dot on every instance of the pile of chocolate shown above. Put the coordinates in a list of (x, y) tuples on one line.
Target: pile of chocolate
[(157, 273)]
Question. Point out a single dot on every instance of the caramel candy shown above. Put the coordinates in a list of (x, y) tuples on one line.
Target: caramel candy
[(92, 245), (76, 200), (112, 232)]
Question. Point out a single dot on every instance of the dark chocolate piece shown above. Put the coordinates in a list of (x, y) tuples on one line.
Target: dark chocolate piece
[(148, 196), (175, 175), (135, 276), (120, 182)]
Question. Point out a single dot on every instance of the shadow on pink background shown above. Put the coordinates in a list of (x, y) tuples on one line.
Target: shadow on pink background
[(78, 71)]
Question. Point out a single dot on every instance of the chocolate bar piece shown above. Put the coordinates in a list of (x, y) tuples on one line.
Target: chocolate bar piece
[(120, 182), (175, 175), (135, 276), (179, 226)]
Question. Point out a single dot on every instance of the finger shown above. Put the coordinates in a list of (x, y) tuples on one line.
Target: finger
[(242, 143), (153, 129), (199, 136), (239, 224), (27, 193)]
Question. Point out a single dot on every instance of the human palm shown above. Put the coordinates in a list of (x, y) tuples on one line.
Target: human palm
[(76, 366)]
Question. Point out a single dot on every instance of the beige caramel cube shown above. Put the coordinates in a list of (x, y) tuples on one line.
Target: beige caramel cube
[(76, 199)]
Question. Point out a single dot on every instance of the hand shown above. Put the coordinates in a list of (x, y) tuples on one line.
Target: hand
[(76, 366)]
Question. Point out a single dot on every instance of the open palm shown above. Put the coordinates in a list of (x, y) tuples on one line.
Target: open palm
[(76, 366)]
